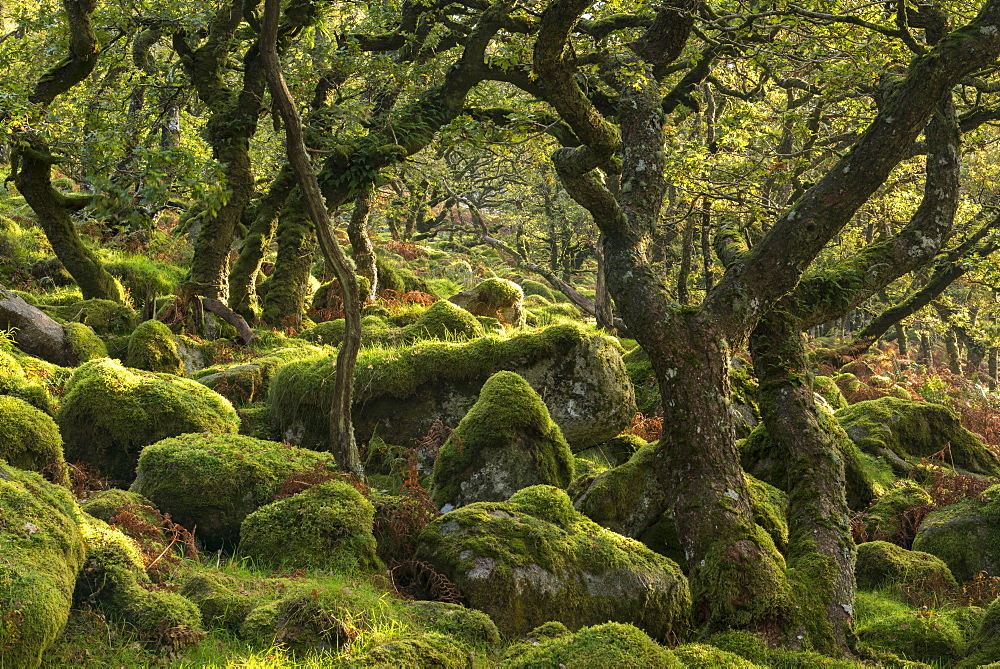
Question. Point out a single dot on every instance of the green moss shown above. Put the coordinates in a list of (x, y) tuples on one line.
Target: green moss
[(984, 642), (881, 563), (463, 624), (537, 288), (826, 388), (215, 481), (152, 347), (144, 277), (966, 535), (41, 551), (704, 656), (394, 276), (218, 599), (444, 320), (744, 644), (83, 343), (927, 636), (523, 570), (615, 451), (109, 413), (769, 508), (114, 580), (103, 316), (905, 431), (248, 382), (884, 519), (607, 645), (106, 504), (328, 526), (647, 390), (15, 383), (30, 439), (424, 650), (506, 440), (547, 503)]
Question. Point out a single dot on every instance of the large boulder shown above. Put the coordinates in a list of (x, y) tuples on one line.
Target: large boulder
[(495, 298), (328, 526), (215, 481), (152, 347), (401, 392), (903, 431), (41, 551), (110, 412), (15, 383), (887, 519), (535, 558), (966, 535), (505, 443)]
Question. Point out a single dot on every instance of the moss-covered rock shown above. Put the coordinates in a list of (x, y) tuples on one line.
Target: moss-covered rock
[(444, 320), (328, 526), (530, 287), (884, 520), (609, 644), (103, 316), (704, 656), (615, 451), (41, 551), (524, 570), (826, 388), (468, 626), (400, 392), (881, 563), (83, 344), (926, 636), (246, 383), (219, 600), (966, 535), (496, 298), (114, 580), (145, 278), (902, 432), (106, 504), (30, 439), (417, 650), (152, 347), (505, 443), (15, 383), (215, 481), (868, 476), (109, 413)]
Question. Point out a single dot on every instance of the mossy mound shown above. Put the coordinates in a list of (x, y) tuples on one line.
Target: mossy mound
[(400, 392), (41, 551), (114, 580), (30, 439), (868, 476), (103, 316), (152, 347), (530, 287), (328, 526), (145, 278), (881, 563), (215, 481), (523, 570), (903, 431), (83, 343), (331, 333), (397, 277), (704, 656), (463, 624), (218, 599), (496, 298), (966, 535), (444, 320), (607, 645), (505, 443), (106, 504), (15, 383), (109, 413), (884, 520), (925, 636), (417, 650), (826, 388)]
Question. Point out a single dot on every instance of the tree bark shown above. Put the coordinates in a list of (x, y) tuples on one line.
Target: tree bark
[(361, 243), (342, 442)]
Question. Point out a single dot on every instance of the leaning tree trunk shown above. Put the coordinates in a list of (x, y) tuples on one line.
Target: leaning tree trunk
[(32, 160)]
